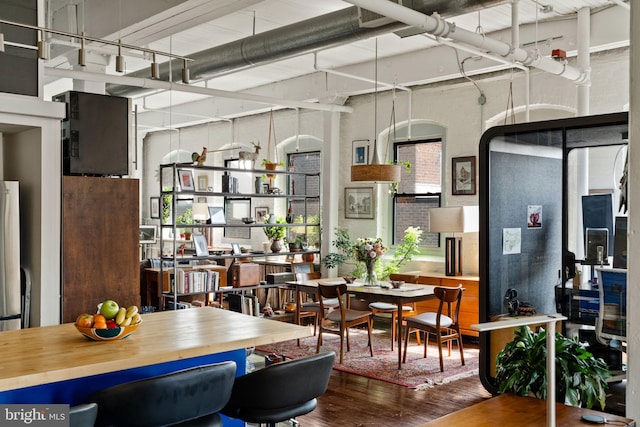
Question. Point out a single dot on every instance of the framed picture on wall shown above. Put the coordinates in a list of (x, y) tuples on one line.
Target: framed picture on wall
[(358, 202), (361, 152), (154, 207), (463, 176)]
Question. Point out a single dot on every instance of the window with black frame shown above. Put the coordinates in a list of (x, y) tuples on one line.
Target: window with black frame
[(304, 210), (419, 190)]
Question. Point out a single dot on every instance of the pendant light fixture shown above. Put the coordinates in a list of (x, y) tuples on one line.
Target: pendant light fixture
[(375, 171)]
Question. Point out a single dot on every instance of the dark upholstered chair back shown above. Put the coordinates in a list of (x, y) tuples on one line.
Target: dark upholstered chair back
[(281, 391), (171, 399), (83, 415)]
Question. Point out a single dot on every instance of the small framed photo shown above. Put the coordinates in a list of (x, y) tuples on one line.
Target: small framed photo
[(358, 202), (216, 215), (200, 243), (361, 152), (463, 176), (186, 180), (154, 207), (201, 199), (203, 182), (235, 249), (261, 214)]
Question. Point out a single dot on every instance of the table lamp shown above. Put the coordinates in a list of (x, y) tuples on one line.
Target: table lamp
[(458, 219)]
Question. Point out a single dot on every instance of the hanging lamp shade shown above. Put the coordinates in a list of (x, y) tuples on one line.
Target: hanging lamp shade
[(375, 173)]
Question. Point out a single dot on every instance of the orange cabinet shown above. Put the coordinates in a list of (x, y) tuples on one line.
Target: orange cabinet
[(470, 307)]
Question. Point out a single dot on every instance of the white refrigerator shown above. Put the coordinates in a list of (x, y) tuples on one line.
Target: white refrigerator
[(10, 293)]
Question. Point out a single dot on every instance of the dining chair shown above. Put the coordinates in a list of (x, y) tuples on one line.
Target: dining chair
[(308, 308), (385, 309), (343, 316), (446, 327)]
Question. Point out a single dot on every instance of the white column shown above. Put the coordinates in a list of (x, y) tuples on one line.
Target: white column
[(330, 173)]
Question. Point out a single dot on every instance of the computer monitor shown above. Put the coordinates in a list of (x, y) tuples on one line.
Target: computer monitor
[(612, 313)]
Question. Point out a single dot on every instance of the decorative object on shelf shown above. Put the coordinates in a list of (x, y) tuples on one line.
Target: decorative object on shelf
[(199, 159), (358, 202), (580, 377), (216, 215), (275, 233), (289, 217), (375, 171), (368, 250), (258, 185), (186, 218), (463, 176), (456, 219), (261, 214), (186, 180), (203, 182), (250, 156)]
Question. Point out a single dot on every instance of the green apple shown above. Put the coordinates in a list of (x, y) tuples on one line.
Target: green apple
[(109, 309)]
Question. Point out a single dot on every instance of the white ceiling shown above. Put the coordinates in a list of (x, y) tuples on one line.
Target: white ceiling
[(184, 27)]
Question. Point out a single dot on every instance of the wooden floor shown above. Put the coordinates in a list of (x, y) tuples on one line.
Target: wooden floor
[(352, 400)]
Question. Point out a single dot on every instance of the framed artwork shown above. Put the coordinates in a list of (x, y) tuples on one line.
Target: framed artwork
[(358, 202), (235, 249), (301, 267), (200, 243), (154, 207), (201, 199), (148, 233), (216, 215), (261, 214), (361, 152), (203, 182), (463, 178), (186, 180)]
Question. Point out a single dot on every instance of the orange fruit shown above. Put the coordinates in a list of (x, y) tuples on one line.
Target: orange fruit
[(100, 325), (99, 321)]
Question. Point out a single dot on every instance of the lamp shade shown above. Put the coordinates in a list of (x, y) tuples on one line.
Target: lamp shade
[(200, 211), (457, 219), (375, 173)]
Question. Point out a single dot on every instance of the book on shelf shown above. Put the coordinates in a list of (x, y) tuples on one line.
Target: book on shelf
[(245, 304), (195, 281)]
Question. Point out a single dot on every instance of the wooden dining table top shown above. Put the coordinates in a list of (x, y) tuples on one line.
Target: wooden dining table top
[(48, 354)]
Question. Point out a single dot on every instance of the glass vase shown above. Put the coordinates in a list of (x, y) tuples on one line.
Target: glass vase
[(370, 278)]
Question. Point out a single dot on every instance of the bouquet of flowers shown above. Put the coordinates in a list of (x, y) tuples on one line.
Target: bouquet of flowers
[(368, 250)]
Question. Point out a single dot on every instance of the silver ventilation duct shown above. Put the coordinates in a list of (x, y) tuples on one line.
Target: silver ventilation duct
[(326, 31)]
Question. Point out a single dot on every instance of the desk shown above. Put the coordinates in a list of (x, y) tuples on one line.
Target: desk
[(509, 410), (408, 294), (56, 364)]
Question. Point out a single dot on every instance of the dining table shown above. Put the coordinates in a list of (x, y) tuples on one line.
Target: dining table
[(408, 293)]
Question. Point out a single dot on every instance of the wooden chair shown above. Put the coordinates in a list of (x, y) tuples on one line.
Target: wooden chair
[(387, 309), (308, 308), (343, 316), (445, 327)]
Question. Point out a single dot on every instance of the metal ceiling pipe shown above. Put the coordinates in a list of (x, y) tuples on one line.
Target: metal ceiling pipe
[(322, 32), (437, 26)]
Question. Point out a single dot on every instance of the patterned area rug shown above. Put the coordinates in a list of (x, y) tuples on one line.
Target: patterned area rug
[(417, 373)]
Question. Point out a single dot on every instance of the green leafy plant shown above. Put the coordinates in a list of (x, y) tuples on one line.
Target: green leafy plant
[(275, 232), (346, 253), (266, 161), (580, 377), (185, 218)]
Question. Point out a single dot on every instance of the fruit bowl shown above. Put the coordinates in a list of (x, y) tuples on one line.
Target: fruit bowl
[(110, 334)]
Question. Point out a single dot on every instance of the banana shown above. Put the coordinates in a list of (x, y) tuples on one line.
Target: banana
[(131, 311), (136, 319), (126, 322), (121, 315)]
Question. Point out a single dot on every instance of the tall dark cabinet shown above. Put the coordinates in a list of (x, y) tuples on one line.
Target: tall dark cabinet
[(99, 243)]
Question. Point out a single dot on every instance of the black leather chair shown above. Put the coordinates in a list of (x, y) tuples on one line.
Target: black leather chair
[(83, 415), (191, 397), (282, 391)]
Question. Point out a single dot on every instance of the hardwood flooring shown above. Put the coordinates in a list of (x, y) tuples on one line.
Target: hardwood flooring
[(352, 400)]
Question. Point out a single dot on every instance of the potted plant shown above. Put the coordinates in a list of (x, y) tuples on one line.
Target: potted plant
[(275, 233), (185, 218), (580, 377)]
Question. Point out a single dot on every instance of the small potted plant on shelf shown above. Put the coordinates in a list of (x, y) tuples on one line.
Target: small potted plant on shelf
[(185, 218), (580, 377), (275, 233)]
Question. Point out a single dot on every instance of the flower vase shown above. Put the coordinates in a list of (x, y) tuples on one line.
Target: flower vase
[(370, 278)]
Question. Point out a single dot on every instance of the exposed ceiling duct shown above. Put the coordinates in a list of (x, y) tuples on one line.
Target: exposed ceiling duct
[(314, 34)]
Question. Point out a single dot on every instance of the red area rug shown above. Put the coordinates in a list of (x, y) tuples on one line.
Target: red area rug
[(417, 373)]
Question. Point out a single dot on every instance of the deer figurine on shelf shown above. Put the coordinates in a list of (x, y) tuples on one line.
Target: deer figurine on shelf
[(251, 156)]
